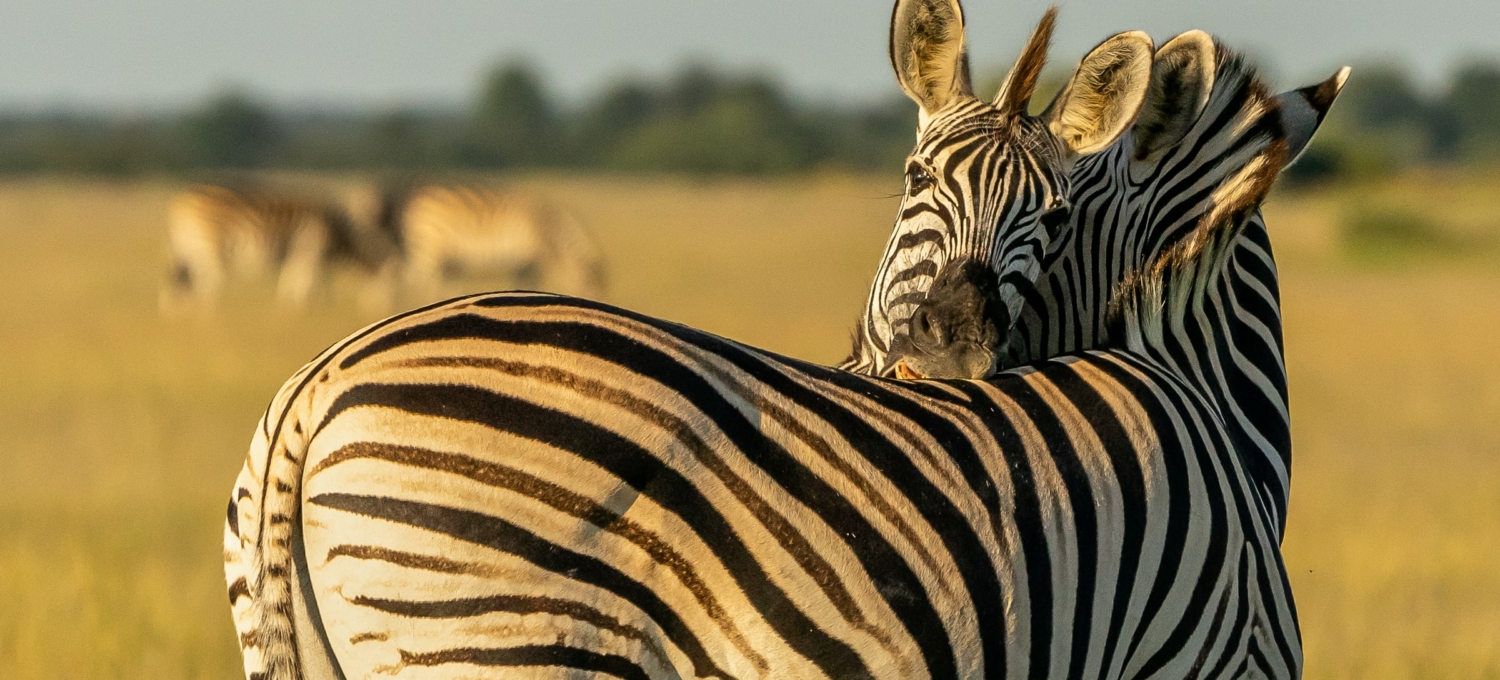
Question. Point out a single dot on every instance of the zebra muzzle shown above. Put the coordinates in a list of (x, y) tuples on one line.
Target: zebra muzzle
[(956, 331)]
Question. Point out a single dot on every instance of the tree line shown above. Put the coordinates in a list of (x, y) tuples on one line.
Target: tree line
[(696, 121), (1384, 121)]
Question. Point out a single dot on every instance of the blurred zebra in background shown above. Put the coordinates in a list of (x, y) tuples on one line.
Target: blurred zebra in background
[(216, 233), (448, 232)]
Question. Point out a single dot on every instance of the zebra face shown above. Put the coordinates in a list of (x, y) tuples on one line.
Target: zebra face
[(986, 189), (985, 192)]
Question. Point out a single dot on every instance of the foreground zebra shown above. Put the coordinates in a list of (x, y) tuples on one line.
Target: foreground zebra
[(219, 232), (450, 230), (1126, 205), (637, 499), (531, 483)]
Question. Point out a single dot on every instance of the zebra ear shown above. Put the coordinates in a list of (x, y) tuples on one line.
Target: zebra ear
[(1102, 98), (1015, 95), (927, 52), (1303, 110), (1182, 76)]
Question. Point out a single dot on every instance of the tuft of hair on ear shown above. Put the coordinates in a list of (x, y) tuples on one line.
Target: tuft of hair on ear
[(1136, 317), (1015, 95)]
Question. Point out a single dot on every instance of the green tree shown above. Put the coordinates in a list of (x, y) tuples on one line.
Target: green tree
[(1473, 100), (1383, 96), (1381, 123), (515, 124), (233, 130), (605, 122), (710, 125)]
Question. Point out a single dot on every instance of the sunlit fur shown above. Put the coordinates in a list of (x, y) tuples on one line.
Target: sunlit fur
[(524, 485)]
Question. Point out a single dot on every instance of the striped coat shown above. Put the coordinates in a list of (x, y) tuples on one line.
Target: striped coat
[(525, 485)]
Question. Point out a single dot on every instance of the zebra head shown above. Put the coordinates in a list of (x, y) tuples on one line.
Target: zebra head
[(986, 190)]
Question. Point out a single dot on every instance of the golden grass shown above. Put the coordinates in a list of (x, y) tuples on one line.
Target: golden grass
[(120, 433)]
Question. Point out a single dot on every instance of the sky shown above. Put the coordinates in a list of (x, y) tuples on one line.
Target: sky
[(154, 54)]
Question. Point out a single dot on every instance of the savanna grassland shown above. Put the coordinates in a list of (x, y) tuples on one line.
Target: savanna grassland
[(120, 432)]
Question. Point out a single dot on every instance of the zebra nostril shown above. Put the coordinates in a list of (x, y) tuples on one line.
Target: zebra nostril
[(926, 332)]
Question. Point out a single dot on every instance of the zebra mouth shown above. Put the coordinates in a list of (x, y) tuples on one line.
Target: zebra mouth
[(905, 372)]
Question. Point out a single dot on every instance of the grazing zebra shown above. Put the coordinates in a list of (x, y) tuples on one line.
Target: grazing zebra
[(216, 232), (450, 230), (526, 485)]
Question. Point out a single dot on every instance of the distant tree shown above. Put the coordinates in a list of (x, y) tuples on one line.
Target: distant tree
[(1382, 122), (396, 138), (515, 124), (233, 130), (604, 122), (1473, 101), (695, 88), (710, 124), (1383, 96), (877, 135)]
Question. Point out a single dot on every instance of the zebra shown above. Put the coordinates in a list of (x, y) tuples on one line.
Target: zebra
[(520, 484), (975, 207), (215, 232), (1133, 200), (1144, 194), (447, 230), (1136, 198), (635, 498)]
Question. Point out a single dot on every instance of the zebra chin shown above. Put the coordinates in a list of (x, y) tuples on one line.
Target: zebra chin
[(958, 330)]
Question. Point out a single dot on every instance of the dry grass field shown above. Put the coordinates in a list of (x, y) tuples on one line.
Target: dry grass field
[(120, 432)]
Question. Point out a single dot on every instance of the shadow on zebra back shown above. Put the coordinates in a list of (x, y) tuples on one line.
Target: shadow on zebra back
[(451, 236), (218, 234)]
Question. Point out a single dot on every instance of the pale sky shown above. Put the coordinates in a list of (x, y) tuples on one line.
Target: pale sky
[(162, 53)]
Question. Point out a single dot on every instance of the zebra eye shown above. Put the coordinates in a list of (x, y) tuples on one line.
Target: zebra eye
[(917, 179), (1054, 219)]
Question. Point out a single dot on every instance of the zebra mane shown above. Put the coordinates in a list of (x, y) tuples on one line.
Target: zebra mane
[(1157, 296)]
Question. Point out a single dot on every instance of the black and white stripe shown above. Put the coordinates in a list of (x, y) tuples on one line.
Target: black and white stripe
[(450, 230), (1139, 198), (532, 483), (533, 486)]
